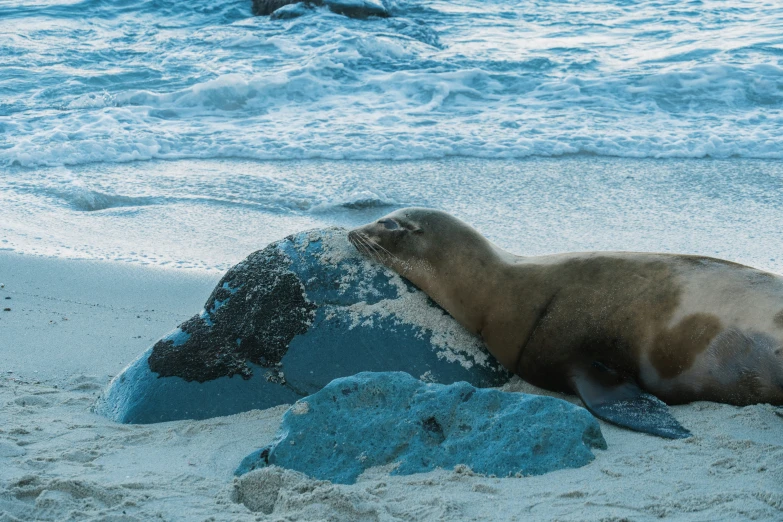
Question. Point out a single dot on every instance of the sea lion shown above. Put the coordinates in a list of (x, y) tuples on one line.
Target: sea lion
[(611, 327)]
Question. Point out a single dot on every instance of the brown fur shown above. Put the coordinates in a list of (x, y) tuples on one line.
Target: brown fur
[(546, 317), (675, 350), (601, 309)]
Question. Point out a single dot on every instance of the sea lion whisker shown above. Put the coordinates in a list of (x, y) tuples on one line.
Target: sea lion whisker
[(366, 250), (381, 247), (367, 247), (378, 253), (371, 246), (383, 250), (403, 266)]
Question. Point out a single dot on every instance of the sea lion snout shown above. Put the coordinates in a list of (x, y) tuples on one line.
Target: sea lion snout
[(388, 238), (365, 239), (370, 240)]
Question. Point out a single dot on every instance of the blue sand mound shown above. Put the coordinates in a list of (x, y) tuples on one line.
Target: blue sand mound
[(284, 323), (373, 419)]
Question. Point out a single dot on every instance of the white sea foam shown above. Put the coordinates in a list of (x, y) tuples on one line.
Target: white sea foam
[(437, 79), (212, 213)]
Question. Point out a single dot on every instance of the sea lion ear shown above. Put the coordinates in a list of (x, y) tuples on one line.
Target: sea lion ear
[(620, 401)]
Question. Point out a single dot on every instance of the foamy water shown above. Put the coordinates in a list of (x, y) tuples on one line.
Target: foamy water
[(551, 126), (115, 81), (209, 214)]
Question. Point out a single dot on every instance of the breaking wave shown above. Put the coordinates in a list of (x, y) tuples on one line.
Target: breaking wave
[(161, 79)]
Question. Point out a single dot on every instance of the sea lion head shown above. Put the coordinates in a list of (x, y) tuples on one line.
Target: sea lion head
[(423, 245), (446, 258), (402, 240)]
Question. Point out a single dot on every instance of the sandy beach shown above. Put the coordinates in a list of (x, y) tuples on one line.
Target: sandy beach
[(74, 324), (147, 147)]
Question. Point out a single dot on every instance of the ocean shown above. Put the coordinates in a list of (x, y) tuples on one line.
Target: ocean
[(188, 134)]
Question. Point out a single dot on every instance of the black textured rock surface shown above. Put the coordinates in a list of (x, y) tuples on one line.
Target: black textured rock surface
[(242, 324)]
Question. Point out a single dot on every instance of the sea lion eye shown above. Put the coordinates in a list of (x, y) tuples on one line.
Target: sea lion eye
[(389, 224)]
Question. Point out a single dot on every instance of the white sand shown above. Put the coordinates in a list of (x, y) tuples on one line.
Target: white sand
[(73, 324)]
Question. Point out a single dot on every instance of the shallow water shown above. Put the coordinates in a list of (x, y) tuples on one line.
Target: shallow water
[(209, 214), (115, 81)]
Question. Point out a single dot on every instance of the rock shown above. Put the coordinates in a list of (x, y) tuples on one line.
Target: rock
[(352, 8), (358, 8), (288, 12), (267, 7), (285, 322), (375, 419)]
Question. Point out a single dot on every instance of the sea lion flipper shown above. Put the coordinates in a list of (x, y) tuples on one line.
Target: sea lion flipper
[(620, 401)]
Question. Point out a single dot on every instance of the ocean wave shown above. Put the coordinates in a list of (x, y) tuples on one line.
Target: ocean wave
[(161, 79), (66, 189), (62, 188), (356, 200), (402, 149), (137, 133), (91, 200)]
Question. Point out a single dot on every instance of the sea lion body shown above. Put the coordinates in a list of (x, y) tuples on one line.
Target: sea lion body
[(685, 328), (605, 325)]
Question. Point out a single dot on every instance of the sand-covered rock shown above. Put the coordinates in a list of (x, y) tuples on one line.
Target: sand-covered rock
[(377, 419), (284, 323)]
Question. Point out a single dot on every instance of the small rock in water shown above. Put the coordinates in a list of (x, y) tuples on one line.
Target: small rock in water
[(375, 419), (290, 11), (358, 8), (267, 7), (284, 9)]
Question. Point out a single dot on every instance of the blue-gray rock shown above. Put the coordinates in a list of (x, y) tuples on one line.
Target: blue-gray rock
[(282, 324), (358, 8), (290, 11), (375, 419), (352, 8), (267, 7)]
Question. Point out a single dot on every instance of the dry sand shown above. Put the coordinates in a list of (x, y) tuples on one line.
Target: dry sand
[(73, 324)]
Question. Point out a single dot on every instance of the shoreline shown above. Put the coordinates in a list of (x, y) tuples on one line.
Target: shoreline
[(110, 312), (209, 214), (565, 156)]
